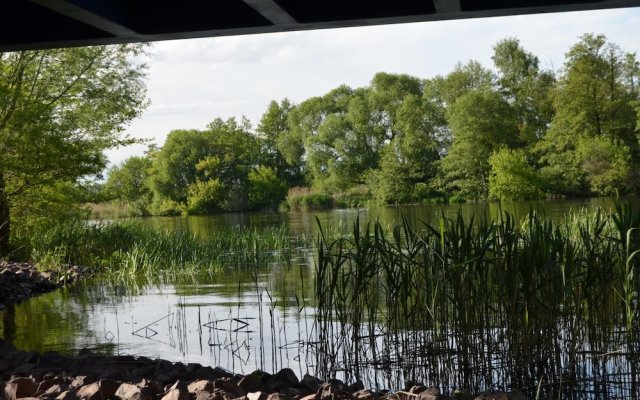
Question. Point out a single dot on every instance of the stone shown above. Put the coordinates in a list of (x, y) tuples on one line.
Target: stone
[(20, 387), (81, 380), (460, 394), (108, 388), (432, 393), (128, 391), (279, 396), (89, 392), (417, 389), (55, 390), (46, 384), (308, 397), (364, 395), (496, 395), (202, 385), (310, 382), (67, 395), (204, 395), (28, 398), (176, 394), (257, 396), (355, 386)]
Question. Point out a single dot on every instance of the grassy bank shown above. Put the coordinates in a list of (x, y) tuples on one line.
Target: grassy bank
[(133, 249)]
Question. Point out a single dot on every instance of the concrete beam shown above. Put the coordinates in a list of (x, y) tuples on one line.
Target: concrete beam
[(87, 17), (272, 11)]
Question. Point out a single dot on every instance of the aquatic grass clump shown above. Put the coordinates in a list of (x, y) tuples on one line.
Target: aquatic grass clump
[(129, 248), (465, 300)]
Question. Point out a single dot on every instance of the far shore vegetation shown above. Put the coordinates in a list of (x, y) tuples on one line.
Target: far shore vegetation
[(512, 132)]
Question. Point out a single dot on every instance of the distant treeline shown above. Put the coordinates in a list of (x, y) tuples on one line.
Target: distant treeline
[(512, 132)]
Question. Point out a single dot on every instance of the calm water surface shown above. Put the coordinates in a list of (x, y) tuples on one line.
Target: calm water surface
[(243, 321)]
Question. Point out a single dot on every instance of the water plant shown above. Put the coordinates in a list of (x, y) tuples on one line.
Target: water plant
[(464, 300)]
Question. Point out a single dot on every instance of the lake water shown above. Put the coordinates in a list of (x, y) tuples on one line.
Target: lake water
[(264, 319)]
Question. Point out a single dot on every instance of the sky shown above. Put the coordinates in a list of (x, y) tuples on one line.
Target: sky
[(191, 82)]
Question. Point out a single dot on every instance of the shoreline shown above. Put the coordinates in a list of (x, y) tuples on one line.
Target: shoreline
[(21, 280)]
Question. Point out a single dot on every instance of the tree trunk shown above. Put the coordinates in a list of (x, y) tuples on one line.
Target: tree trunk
[(5, 221)]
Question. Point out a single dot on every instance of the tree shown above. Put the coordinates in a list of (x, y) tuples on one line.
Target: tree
[(512, 176), (279, 150), (525, 87), (205, 171), (481, 122), (129, 182), (59, 110), (594, 99)]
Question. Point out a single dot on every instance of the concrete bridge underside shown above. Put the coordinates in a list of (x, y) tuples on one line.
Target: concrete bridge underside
[(32, 24)]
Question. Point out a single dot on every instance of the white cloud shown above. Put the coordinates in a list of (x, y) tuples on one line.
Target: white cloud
[(191, 82)]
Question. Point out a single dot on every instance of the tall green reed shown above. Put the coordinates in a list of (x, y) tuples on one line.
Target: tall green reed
[(395, 300)]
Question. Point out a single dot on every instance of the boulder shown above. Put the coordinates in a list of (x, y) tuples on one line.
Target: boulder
[(496, 395)]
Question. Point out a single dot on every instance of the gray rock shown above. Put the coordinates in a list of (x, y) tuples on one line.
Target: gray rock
[(127, 391)]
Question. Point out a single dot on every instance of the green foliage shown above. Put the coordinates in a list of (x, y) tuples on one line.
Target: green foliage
[(300, 198), (59, 110), (512, 177), (129, 182), (594, 100), (266, 190), (481, 121), (515, 132)]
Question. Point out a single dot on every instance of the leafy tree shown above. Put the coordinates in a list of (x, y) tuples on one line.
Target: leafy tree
[(266, 190), (592, 101), (129, 182), (279, 149), (608, 165), (59, 110), (481, 122), (512, 176), (224, 154), (527, 89)]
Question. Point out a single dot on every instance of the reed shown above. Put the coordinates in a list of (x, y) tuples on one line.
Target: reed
[(394, 301), (132, 249)]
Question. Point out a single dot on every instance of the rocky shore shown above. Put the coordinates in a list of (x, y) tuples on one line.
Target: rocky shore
[(87, 376), (19, 281)]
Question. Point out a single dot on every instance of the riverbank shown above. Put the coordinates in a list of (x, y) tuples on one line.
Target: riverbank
[(88, 376), (21, 280)]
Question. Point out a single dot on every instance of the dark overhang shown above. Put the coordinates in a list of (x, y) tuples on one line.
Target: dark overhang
[(30, 24)]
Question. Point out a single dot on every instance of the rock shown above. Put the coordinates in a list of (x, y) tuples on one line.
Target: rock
[(355, 386), (496, 395), (204, 395), (67, 395), (202, 385), (79, 381), (108, 388), (19, 388), (128, 391), (279, 396), (257, 396), (460, 394), (308, 397), (46, 384), (310, 382), (364, 395), (28, 398), (176, 394), (432, 393), (55, 390), (417, 389), (90, 392)]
